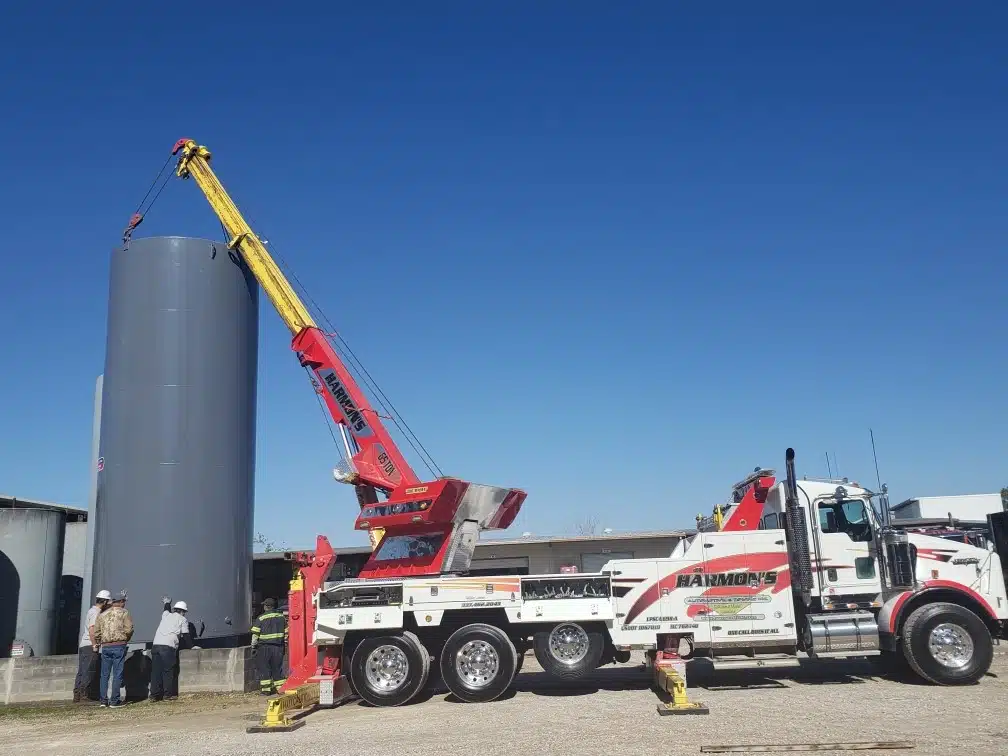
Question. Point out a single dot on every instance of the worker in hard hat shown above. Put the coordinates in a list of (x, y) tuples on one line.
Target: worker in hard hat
[(269, 635), (113, 631), (87, 649), (165, 649)]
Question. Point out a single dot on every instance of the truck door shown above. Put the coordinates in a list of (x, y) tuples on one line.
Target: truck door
[(772, 609), (636, 597), (720, 604), (847, 562)]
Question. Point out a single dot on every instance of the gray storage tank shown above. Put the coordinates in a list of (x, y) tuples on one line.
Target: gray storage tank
[(173, 510), (31, 557), (72, 583)]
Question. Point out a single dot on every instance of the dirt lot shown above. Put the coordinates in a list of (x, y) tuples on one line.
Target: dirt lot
[(613, 714)]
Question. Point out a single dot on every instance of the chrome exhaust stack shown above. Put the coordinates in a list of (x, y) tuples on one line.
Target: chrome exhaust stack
[(797, 534)]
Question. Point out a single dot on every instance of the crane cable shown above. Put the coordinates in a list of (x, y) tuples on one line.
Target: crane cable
[(362, 374), (138, 216), (354, 363)]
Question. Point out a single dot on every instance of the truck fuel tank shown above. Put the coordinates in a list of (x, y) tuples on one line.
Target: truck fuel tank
[(841, 634)]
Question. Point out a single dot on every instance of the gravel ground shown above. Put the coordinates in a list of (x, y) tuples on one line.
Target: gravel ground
[(613, 713)]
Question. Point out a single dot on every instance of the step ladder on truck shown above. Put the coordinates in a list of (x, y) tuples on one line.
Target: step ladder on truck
[(791, 568)]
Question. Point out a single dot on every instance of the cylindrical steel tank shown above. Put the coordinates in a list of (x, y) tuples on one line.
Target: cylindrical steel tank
[(177, 448), (31, 557), (72, 584)]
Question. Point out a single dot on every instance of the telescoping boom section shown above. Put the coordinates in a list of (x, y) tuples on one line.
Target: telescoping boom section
[(416, 527)]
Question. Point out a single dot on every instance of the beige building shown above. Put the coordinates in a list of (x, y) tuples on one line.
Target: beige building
[(532, 555), (512, 556)]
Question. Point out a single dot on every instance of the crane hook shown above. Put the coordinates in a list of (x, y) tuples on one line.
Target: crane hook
[(135, 221)]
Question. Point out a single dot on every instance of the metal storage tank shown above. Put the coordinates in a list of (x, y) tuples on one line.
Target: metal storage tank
[(72, 583), (175, 488), (31, 557), (87, 596)]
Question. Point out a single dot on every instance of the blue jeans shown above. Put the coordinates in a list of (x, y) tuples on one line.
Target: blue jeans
[(112, 659)]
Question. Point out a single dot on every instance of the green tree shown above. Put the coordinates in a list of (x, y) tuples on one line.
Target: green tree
[(1004, 498)]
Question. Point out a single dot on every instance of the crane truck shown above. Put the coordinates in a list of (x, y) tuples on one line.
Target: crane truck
[(792, 569)]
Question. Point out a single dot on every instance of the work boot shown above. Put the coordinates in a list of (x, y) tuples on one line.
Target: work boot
[(77, 696)]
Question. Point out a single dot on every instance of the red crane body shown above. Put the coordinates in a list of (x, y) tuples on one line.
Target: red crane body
[(427, 528)]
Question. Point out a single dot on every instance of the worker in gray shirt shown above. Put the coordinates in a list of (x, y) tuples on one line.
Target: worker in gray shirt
[(87, 649), (165, 648)]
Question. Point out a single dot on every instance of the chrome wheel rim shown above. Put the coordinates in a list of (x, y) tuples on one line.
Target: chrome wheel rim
[(477, 663), (950, 645), (568, 643), (387, 668)]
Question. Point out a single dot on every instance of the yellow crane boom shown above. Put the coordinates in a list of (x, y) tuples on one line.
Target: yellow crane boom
[(378, 464), (194, 162)]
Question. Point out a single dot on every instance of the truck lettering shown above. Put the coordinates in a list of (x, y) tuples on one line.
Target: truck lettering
[(478, 604), (661, 619), (725, 579), (714, 601), (353, 416), (386, 463), (756, 631)]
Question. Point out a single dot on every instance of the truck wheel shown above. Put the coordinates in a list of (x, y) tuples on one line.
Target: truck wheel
[(568, 650), (425, 675), (947, 644), (478, 663), (388, 670), (519, 661)]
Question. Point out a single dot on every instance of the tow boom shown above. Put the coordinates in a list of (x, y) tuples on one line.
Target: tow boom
[(424, 528)]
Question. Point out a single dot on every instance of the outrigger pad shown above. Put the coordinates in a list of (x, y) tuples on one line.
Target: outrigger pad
[(691, 709), (276, 728)]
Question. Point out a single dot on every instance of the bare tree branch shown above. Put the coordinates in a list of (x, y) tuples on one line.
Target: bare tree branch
[(587, 527), (268, 545)]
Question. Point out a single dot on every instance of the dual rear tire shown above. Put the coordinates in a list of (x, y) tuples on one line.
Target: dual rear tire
[(389, 670), (477, 664)]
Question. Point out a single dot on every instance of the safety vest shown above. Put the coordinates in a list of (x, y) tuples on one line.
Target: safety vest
[(271, 627)]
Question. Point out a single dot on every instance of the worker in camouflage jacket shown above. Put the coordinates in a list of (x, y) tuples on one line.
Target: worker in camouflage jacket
[(269, 636), (113, 630)]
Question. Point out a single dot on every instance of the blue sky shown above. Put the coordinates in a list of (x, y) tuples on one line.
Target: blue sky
[(617, 256)]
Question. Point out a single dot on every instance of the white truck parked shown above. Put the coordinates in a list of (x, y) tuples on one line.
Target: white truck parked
[(965, 507), (795, 566)]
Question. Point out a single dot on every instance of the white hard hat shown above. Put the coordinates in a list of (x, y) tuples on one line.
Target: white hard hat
[(104, 595), (181, 605)]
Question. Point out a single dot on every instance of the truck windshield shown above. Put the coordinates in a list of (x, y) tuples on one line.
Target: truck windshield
[(849, 516), (409, 547)]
